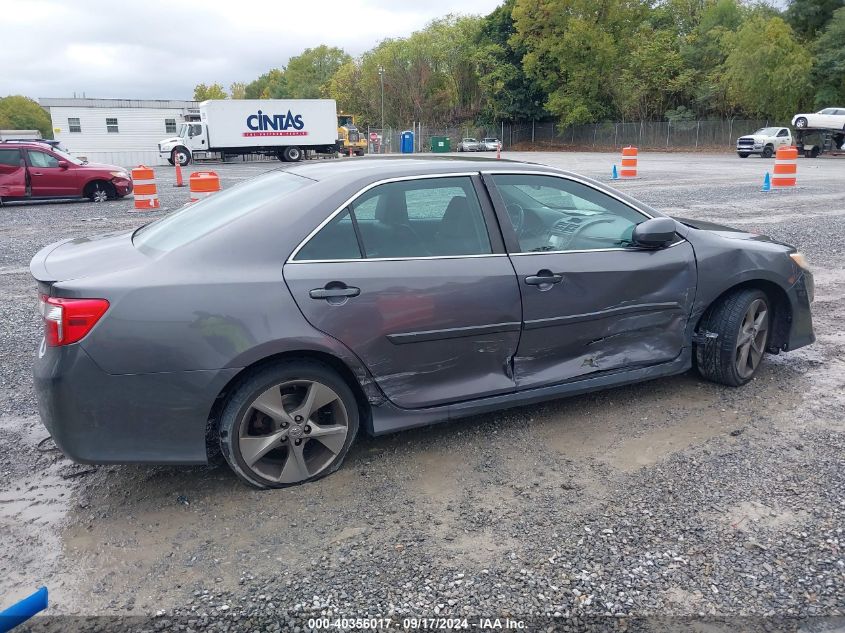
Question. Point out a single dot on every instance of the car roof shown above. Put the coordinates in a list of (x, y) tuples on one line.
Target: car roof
[(380, 168)]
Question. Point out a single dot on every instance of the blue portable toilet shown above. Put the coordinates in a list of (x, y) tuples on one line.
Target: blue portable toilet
[(407, 144)]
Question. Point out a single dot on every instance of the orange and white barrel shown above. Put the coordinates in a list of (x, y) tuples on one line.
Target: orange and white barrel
[(144, 188), (203, 184), (629, 162), (786, 167)]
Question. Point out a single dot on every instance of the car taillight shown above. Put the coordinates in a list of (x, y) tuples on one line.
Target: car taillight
[(67, 321)]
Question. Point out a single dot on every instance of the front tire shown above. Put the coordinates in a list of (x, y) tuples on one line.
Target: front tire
[(288, 423), (743, 155), (801, 123), (741, 320), (767, 152), (180, 155), (100, 191)]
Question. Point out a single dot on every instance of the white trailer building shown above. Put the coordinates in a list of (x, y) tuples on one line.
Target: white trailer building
[(117, 131)]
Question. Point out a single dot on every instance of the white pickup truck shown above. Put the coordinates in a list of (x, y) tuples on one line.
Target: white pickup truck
[(764, 141)]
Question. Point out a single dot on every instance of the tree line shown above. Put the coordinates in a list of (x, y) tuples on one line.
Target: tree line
[(582, 61)]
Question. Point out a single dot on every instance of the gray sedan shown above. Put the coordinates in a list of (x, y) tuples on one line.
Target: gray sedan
[(275, 320)]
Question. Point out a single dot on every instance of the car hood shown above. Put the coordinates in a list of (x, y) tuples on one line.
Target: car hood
[(104, 167), (728, 232), (84, 256), (756, 137), (174, 139)]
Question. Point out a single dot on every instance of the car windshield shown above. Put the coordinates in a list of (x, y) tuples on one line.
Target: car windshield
[(490, 140), (768, 131), (65, 156), (205, 216)]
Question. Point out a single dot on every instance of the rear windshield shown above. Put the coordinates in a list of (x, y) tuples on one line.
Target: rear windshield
[(205, 216)]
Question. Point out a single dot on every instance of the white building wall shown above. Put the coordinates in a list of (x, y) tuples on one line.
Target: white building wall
[(136, 142)]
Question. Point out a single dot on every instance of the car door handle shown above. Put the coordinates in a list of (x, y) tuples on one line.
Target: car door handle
[(37, 173), (329, 293), (542, 278)]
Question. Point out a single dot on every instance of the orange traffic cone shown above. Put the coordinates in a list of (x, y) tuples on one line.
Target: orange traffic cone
[(498, 150), (179, 181)]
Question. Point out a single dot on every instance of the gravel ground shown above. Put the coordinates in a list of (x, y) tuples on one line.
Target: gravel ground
[(671, 499)]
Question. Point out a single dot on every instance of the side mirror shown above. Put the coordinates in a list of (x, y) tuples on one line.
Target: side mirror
[(654, 233), (63, 164)]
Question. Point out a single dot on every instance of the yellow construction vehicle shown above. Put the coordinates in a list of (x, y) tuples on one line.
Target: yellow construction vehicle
[(349, 136)]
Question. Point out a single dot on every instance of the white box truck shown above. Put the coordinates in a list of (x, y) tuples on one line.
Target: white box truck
[(284, 128)]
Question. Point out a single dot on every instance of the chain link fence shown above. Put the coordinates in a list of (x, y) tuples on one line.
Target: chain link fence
[(719, 134)]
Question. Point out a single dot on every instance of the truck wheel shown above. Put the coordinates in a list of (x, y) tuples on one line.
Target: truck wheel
[(181, 155), (767, 152), (800, 123), (292, 154), (171, 161), (743, 155)]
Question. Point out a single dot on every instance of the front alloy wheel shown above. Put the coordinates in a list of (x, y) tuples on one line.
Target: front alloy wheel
[(741, 322), (751, 342), (293, 424), (800, 123)]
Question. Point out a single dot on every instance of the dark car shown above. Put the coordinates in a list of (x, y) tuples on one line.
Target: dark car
[(33, 170), (275, 319)]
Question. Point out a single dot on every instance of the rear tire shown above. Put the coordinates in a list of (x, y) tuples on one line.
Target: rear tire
[(742, 321), (292, 154), (298, 442)]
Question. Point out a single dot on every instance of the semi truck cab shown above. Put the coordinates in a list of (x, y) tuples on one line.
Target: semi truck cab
[(191, 138)]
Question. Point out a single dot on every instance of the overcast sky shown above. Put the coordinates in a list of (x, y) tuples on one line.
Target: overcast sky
[(159, 49)]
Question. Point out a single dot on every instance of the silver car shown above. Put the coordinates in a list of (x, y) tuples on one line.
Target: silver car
[(489, 144), (469, 145)]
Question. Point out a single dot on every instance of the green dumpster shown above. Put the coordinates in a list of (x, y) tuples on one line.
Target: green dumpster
[(441, 144)]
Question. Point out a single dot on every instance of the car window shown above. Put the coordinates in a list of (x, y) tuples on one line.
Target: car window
[(42, 159), (336, 240), (422, 218), (10, 157), (827, 111), (783, 133), (556, 214), (209, 214)]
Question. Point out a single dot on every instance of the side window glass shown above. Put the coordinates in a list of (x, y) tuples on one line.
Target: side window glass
[(10, 158), (41, 159), (336, 240), (783, 133), (422, 218), (555, 214)]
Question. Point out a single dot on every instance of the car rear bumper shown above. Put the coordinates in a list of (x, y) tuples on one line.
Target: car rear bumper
[(101, 418)]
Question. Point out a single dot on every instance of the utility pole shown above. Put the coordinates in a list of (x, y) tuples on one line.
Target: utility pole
[(381, 77)]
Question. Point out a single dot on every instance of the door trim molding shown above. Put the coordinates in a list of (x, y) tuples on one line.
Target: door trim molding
[(536, 324), (403, 338)]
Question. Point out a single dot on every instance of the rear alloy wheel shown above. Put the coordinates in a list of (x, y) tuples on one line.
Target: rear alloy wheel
[(289, 424), (741, 321)]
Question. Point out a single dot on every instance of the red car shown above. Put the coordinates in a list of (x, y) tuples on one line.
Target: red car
[(33, 170)]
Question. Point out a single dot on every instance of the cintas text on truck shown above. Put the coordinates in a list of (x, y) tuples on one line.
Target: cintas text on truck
[(283, 128)]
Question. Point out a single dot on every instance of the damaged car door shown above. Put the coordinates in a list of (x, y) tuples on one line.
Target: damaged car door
[(409, 278), (592, 300)]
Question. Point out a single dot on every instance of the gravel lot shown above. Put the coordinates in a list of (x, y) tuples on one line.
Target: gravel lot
[(670, 498)]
